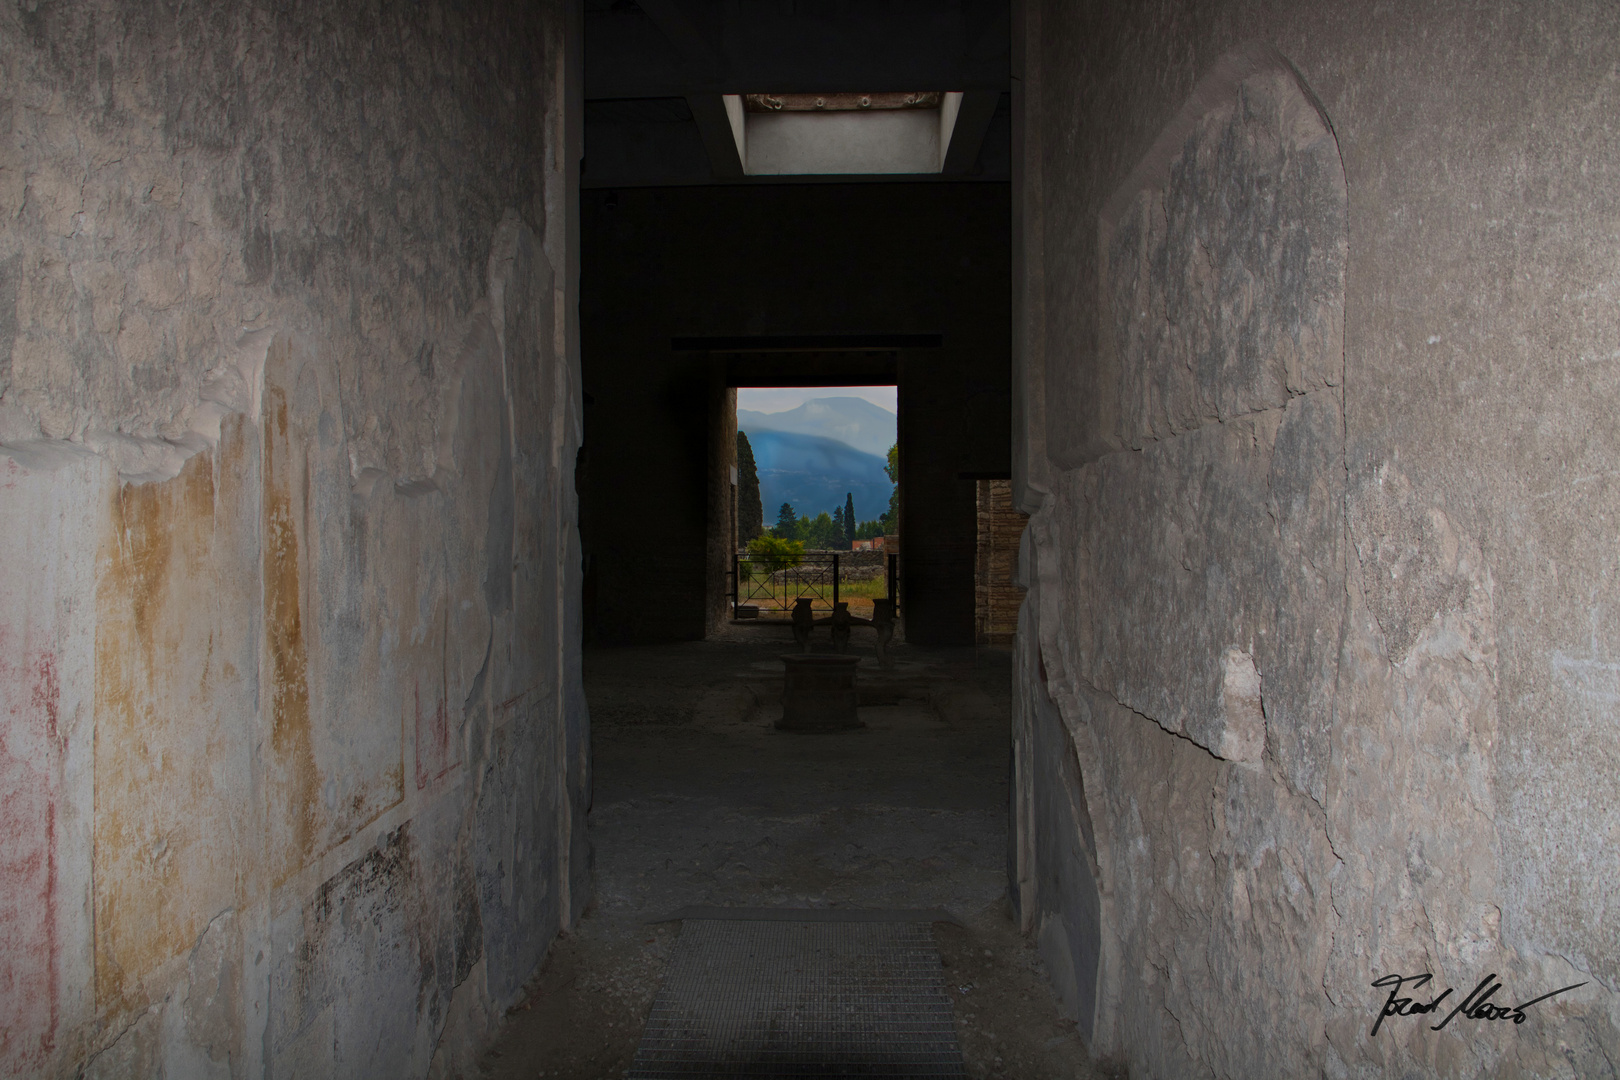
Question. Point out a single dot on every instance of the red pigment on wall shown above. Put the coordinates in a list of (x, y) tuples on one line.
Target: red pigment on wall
[(46, 694), (29, 756)]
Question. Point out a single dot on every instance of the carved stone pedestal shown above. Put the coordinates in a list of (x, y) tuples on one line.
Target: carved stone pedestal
[(819, 693)]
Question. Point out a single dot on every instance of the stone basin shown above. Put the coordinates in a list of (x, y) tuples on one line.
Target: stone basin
[(818, 693)]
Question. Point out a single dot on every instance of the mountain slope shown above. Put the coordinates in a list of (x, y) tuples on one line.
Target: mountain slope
[(814, 474), (853, 421)]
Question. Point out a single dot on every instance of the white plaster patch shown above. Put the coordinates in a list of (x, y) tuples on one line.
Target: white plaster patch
[(1244, 736), (235, 385)]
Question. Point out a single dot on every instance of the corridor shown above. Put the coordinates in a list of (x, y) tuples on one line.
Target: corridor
[(700, 802), (376, 684)]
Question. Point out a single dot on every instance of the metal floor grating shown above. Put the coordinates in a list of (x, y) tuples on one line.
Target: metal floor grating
[(801, 999)]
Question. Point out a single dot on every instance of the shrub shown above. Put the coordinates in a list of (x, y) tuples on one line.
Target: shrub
[(774, 553)]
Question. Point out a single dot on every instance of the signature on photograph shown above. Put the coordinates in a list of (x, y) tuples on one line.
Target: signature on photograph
[(1476, 1006)]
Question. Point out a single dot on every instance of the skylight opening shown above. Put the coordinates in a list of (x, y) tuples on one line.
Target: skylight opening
[(843, 133)]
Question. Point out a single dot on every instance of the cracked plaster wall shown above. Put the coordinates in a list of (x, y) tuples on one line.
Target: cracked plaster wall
[(1318, 327), (292, 738)]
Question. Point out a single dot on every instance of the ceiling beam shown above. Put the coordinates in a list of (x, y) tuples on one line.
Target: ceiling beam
[(967, 134), (671, 48), (719, 137), (701, 62)]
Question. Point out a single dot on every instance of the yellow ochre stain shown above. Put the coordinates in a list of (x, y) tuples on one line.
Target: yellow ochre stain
[(295, 783), (153, 886)]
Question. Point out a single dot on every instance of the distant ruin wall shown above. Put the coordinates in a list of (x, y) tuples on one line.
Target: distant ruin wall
[(290, 720), (1303, 593)]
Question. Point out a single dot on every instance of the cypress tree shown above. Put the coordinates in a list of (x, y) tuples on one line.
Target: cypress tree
[(787, 522), (891, 520), (750, 512), (849, 517)]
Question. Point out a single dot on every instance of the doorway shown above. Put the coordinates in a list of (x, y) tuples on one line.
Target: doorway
[(816, 500)]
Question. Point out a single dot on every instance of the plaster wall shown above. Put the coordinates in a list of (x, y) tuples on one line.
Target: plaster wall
[(292, 740), (1317, 346)]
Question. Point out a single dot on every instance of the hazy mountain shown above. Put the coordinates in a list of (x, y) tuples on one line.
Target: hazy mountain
[(853, 421), (814, 474)]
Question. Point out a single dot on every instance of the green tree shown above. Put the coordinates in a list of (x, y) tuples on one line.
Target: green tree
[(838, 525), (772, 554), (866, 530), (787, 523), (818, 532), (750, 512), (849, 518), (891, 520)]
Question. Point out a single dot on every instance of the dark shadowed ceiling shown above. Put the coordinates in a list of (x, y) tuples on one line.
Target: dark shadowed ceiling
[(655, 71)]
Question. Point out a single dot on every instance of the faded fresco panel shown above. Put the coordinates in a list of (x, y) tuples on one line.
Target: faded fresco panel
[(174, 688), (46, 656), (1223, 262), (30, 758), (327, 630)]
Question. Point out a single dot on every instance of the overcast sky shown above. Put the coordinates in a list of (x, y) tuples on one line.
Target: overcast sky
[(769, 399)]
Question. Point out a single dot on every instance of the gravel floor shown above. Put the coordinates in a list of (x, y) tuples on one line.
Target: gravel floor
[(699, 801)]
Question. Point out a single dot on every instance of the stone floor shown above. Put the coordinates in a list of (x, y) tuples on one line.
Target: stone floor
[(699, 801)]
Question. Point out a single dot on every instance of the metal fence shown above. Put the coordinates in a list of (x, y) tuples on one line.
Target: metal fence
[(765, 583)]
